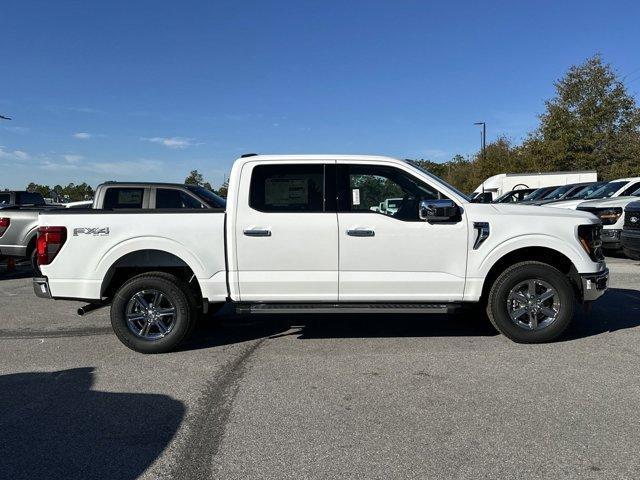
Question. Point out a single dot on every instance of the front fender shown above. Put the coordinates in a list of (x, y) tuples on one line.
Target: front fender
[(571, 250)]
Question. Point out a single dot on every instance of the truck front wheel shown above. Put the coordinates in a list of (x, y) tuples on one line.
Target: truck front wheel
[(531, 302), (153, 312)]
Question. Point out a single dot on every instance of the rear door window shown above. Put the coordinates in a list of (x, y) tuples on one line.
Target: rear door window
[(123, 197), (173, 198), (287, 188)]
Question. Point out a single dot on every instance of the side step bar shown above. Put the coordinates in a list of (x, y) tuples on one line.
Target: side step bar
[(284, 308)]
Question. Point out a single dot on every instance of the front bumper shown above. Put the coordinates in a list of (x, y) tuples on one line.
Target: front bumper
[(611, 239), (41, 287), (630, 241), (594, 285)]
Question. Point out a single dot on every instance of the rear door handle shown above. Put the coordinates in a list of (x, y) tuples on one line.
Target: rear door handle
[(361, 232), (257, 232)]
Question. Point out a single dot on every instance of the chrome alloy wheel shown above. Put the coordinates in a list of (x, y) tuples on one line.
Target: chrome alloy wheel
[(150, 314), (533, 304)]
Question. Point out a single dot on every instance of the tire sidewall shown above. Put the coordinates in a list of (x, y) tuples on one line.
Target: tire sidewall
[(183, 319), (498, 303)]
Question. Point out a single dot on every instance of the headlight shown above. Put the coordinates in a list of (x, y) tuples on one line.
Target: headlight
[(591, 241), (609, 216)]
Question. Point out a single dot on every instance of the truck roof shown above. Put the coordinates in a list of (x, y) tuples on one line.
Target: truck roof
[(147, 184), (316, 157)]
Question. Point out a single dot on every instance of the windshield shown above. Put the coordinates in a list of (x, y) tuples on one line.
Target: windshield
[(536, 194), (588, 190), (558, 192), (438, 180), (208, 196), (606, 190)]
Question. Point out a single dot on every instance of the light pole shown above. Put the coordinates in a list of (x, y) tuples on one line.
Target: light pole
[(483, 144)]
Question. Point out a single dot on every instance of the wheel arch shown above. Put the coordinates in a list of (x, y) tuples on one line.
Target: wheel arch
[(545, 255), (147, 260)]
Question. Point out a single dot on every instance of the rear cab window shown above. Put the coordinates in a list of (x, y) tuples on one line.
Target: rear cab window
[(123, 197)]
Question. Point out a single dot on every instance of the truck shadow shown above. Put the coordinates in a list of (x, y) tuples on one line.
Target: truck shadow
[(22, 270), (53, 425), (618, 309)]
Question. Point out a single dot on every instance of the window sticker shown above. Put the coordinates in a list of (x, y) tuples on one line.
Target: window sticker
[(356, 196), (286, 191)]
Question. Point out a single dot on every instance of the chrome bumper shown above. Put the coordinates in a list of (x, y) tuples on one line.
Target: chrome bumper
[(41, 287), (594, 285)]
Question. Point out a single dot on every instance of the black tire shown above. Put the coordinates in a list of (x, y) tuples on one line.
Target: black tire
[(33, 259), (497, 309), (175, 291), (632, 254)]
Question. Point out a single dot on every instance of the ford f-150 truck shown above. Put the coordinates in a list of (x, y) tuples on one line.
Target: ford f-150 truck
[(298, 235)]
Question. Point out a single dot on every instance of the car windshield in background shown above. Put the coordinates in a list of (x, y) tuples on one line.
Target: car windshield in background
[(439, 180), (536, 194), (5, 198), (606, 190), (557, 193), (208, 196), (585, 191)]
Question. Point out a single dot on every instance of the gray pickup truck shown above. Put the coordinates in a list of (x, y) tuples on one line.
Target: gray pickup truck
[(19, 225), (21, 198)]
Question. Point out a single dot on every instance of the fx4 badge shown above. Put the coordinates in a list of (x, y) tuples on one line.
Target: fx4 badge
[(95, 231)]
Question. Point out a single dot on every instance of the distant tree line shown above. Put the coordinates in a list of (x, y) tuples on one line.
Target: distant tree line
[(592, 123)]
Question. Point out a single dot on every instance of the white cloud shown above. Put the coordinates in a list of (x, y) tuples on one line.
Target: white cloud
[(124, 168), (172, 142), (82, 135), (14, 155), (72, 158)]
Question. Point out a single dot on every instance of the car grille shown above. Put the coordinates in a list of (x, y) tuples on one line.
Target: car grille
[(632, 220)]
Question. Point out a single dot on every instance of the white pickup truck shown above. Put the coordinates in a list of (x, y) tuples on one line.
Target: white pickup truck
[(298, 236)]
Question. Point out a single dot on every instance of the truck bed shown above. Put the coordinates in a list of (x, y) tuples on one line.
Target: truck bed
[(112, 238)]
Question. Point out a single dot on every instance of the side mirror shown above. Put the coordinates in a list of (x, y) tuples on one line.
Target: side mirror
[(437, 210)]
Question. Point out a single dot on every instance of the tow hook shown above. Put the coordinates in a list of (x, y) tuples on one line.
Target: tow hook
[(90, 308)]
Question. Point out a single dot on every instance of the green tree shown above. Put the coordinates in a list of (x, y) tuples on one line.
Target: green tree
[(43, 190), (224, 189), (591, 123), (194, 178)]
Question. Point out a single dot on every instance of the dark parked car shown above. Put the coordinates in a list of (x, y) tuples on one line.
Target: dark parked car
[(21, 198), (514, 196), (630, 236), (568, 192), (538, 194)]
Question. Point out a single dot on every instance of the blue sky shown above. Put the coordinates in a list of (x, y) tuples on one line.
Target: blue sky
[(148, 90)]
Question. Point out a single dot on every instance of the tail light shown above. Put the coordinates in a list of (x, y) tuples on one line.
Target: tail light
[(4, 224), (50, 241)]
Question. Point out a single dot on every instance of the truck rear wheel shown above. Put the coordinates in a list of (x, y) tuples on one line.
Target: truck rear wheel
[(153, 312), (531, 302)]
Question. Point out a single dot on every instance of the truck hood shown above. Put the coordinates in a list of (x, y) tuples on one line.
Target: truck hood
[(532, 211), (609, 202)]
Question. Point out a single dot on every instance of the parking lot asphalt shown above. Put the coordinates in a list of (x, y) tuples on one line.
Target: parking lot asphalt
[(320, 397)]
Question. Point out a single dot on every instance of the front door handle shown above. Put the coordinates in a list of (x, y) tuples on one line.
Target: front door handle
[(257, 232), (361, 232)]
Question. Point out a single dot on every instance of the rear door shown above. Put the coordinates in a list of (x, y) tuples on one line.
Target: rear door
[(286, 232), (393, 255)]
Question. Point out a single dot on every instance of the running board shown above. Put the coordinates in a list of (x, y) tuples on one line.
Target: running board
[(283, 308)]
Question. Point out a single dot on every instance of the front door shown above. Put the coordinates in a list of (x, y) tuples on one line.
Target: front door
[(287, 233), (386, 252)]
